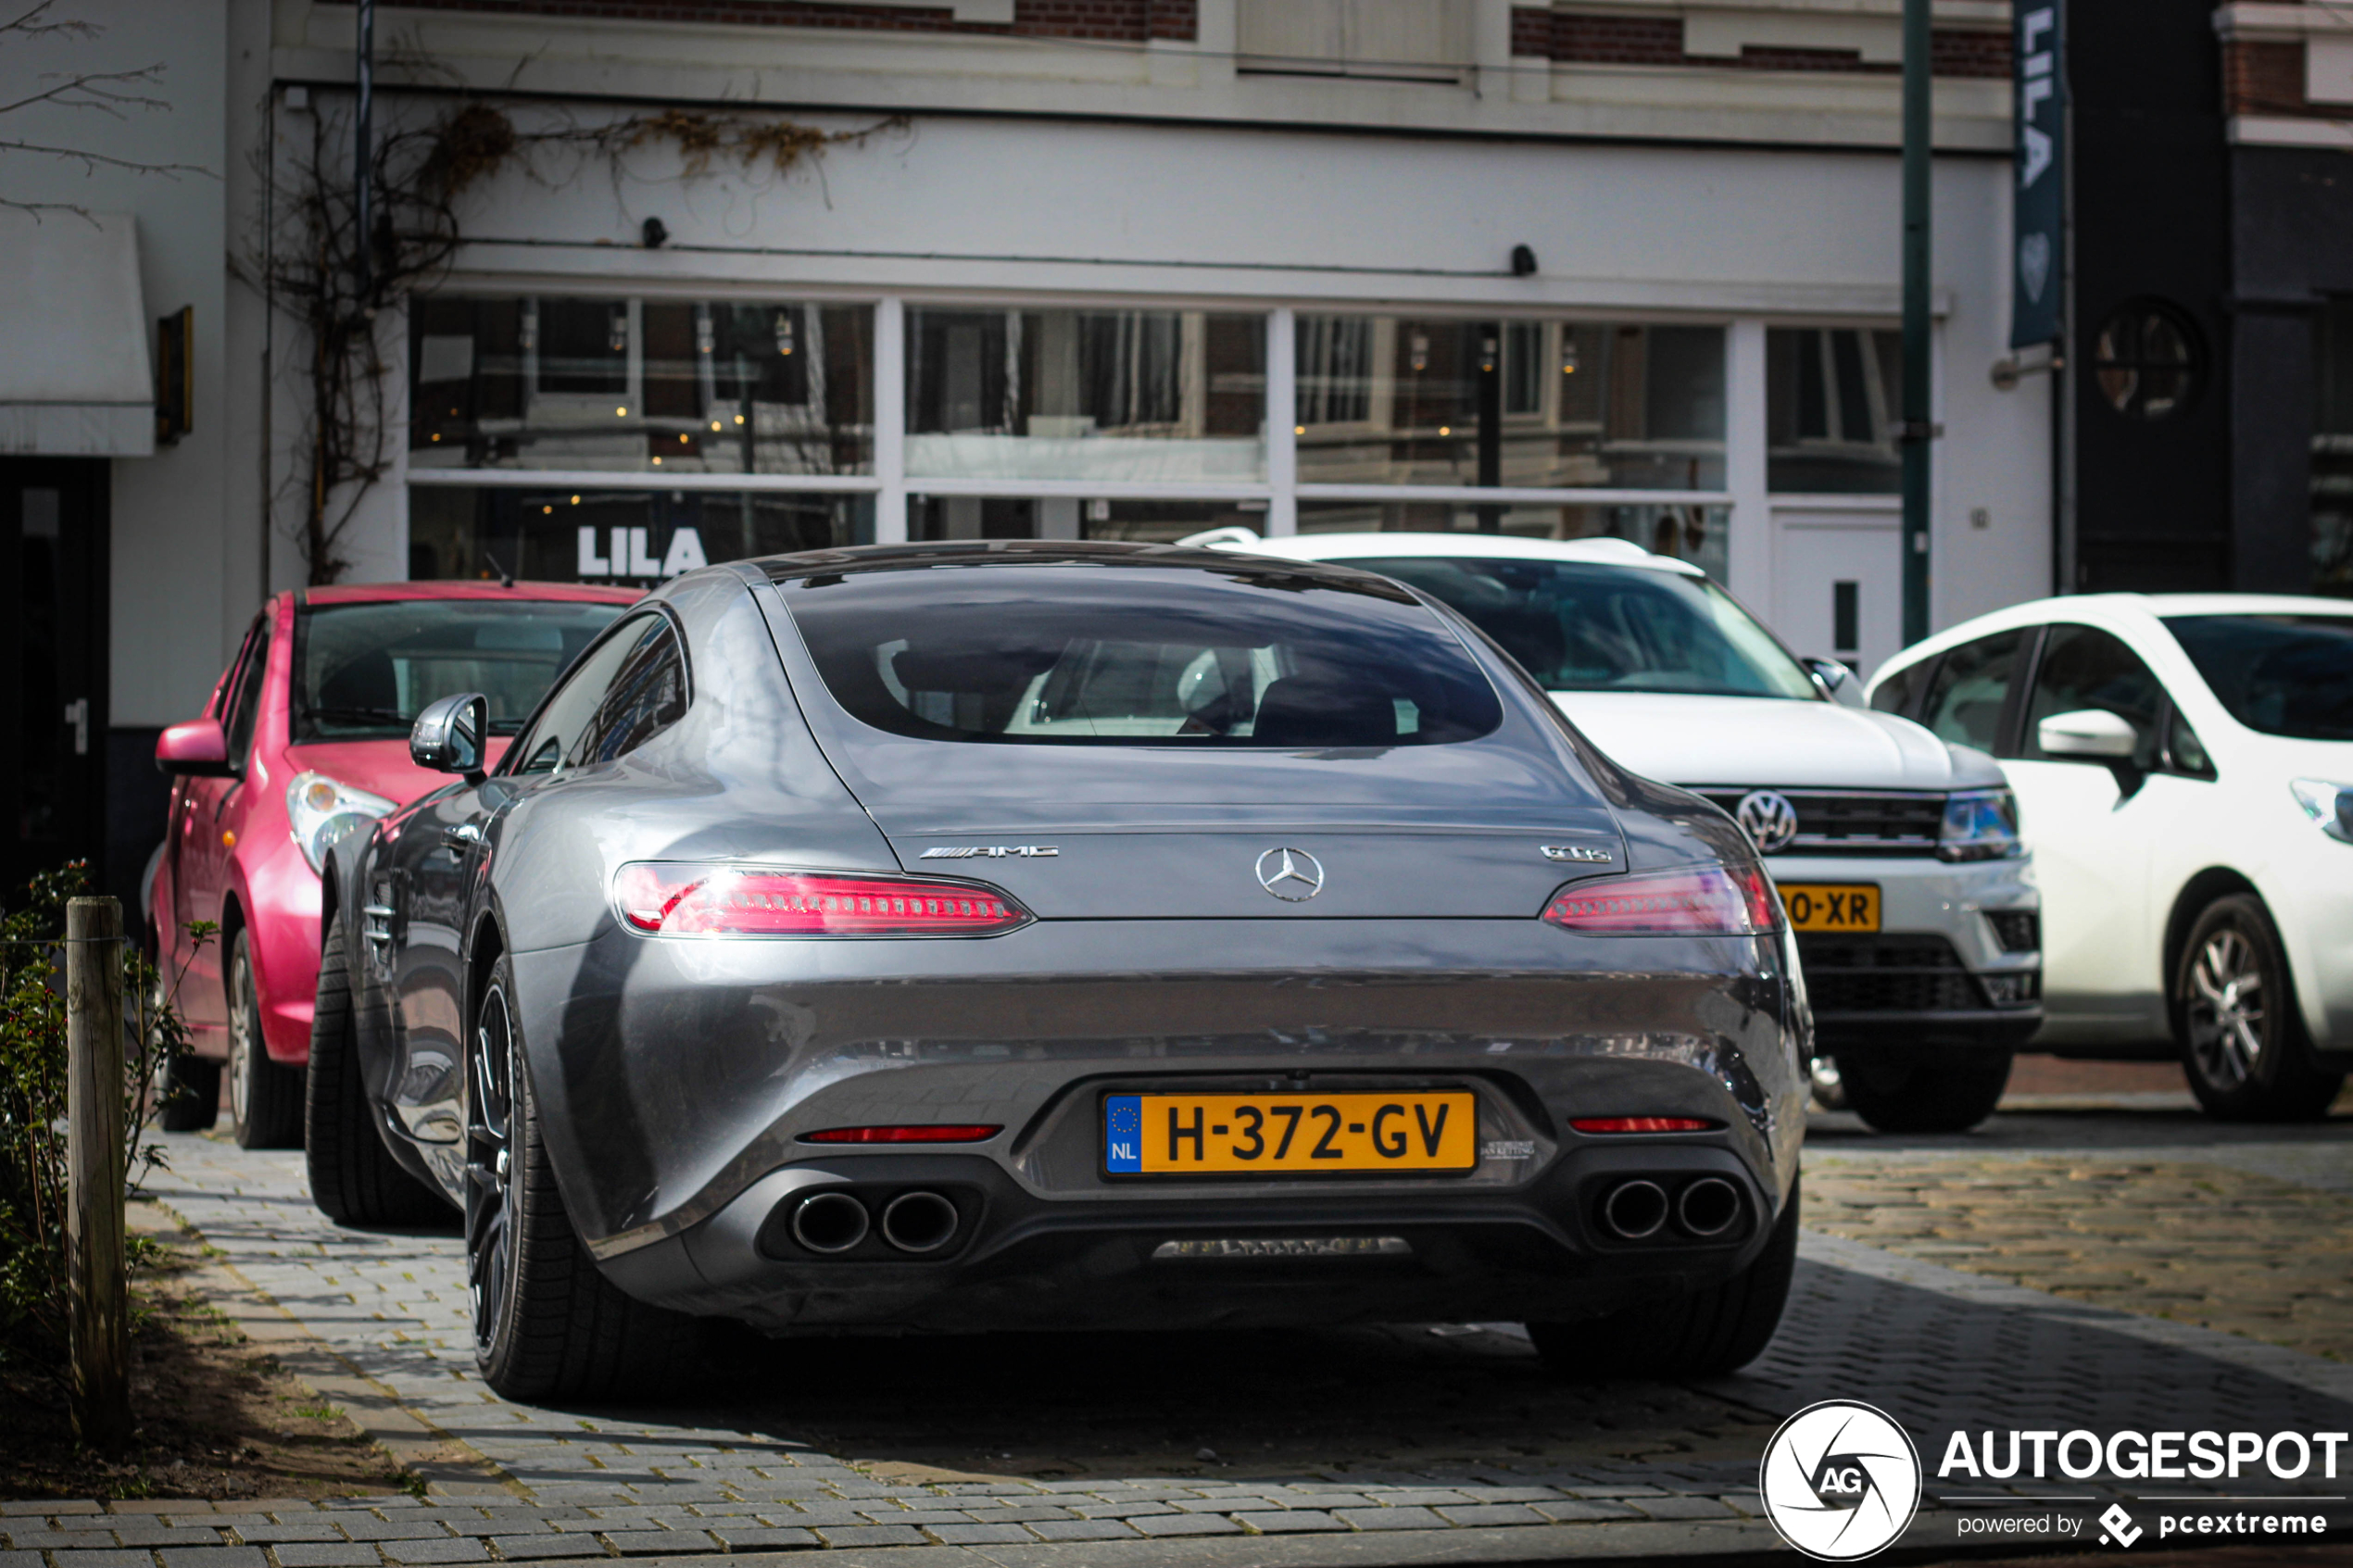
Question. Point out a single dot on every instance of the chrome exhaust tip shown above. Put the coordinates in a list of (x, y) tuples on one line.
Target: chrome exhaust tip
[(829, 1221), (1709, 1206), (920, 1222), (1635, 1209)]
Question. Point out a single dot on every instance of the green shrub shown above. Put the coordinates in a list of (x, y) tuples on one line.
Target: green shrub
[(33, 1264)]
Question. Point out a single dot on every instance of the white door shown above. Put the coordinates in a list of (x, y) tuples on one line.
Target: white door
[(1838, 583)]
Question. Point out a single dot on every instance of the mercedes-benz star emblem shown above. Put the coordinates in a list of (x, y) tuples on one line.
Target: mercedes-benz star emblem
[(1768, 819), (1292, 875)]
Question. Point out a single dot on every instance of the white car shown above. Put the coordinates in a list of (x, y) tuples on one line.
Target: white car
[(1896, 854), (2184, 767)]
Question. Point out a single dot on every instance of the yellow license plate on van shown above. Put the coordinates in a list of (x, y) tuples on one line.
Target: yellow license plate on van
[(1289, 1134), (1843, 906)]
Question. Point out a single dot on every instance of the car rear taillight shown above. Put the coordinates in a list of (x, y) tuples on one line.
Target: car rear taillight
[(1643, 1125), (1693, 901), (927, 1132), (673, 898)]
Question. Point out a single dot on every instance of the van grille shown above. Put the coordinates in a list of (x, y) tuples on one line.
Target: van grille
[(1848, 975), (1844, 821)]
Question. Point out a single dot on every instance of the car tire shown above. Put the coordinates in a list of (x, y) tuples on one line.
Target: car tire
[(548, 1323), (265, 1098), (354, 1178), (1893, 1094), (1700, 1334), (2243, 1045)]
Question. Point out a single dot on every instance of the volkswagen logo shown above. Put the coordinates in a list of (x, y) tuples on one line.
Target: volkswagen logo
[(1292, 875), (1768, 819)]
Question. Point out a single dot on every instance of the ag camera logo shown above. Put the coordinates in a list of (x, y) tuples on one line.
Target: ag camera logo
[(1841, 1480)]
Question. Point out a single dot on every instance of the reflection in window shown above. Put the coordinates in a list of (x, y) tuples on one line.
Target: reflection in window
[(2333, 449), (687, 386), (1125, 395), (1973, 683), (1394, 400), (622, 537), (931, 518), (1834, 399)]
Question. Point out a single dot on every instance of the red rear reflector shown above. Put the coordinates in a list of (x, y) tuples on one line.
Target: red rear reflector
[(1697, 901), (941, 1133), (673, 899), (1642, 1124)]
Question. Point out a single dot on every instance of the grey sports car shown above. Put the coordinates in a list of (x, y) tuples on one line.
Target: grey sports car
[(1038, 936)]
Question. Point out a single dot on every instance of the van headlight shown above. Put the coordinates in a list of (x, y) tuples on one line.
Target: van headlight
[(1980, 824), (320, 809), (2330, 804)]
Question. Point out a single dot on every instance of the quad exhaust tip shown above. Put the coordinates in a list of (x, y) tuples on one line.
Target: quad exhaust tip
[(919, 1222), (830, 1222), (1707, 1207), (1635, 1209)]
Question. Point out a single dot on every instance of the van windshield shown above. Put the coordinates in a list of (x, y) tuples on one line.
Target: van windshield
[(1078, 655), (362, 671), (1580, 626)]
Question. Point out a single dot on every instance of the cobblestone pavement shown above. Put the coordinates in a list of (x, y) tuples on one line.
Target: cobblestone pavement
[(1371, 1446)]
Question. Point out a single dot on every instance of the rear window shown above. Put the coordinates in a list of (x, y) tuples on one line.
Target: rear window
[(1076, 655), (1585, 627), (2283, 674), (364, 669)]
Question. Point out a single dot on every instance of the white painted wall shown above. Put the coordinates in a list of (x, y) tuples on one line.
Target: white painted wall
[(175, 613)]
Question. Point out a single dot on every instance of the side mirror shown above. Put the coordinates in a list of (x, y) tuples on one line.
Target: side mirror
[(1839, 682), (196, 749), (449, 735), (2092, 734)]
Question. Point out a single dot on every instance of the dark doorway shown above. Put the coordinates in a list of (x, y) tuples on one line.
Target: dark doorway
[(53, 666)]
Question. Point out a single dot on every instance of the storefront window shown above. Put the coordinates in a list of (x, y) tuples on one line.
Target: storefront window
[(1833, 398), (936, 517), (622, 535), (1695, 533), (1115, 394), (1395, 400), (641, 385), (2333, 450)]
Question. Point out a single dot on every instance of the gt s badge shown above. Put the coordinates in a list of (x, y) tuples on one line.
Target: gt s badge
[(1580, 854), (989, 852)]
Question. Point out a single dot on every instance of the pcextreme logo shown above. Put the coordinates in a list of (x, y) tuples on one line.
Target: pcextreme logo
[(1841, 1480)]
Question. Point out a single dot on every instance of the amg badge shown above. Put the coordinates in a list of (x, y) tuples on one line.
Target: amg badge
[(989, 852), (1581, 854)]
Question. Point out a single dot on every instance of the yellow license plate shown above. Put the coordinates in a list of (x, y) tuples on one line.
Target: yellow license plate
[(1289, 1134), (1844, 906)]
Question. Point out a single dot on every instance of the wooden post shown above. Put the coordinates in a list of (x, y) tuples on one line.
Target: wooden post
[(101, 1299)]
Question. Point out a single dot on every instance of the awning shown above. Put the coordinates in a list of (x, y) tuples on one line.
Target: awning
[(74, 375)]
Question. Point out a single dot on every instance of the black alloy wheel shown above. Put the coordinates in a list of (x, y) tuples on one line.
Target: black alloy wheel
[(2242, 1036), (490, 1238), (265, 1097), (548, 1323)]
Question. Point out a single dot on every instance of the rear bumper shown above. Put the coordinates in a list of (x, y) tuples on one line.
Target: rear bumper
[(676, 1078), (1190, 1259)]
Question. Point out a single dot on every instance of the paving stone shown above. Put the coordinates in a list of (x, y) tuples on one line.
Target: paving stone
[(345, 1554), (1078, 1530), (1572, 1511), (20, 1560), (35, 1537), (641, 1542), (118, 1557), (1187, 1525), (1390, 1518), (214, 1557), (1475, 1515), (460, 1548), (1289, 1521), (841, 1535), (918, 1518), (549, 1545), (360, 1527), (1118, 1509), (1684, 1507), (143, 1532), (980, 1535)]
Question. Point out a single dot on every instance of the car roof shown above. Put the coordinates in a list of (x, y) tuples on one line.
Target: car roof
[(1603, 551), (1061, 552), (2121, 611), (464, 588)]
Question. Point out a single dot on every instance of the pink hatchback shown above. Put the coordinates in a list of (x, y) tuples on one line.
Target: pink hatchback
[(305, 736)]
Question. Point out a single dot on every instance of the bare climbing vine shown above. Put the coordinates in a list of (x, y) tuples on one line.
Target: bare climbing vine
[(309, 258)]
